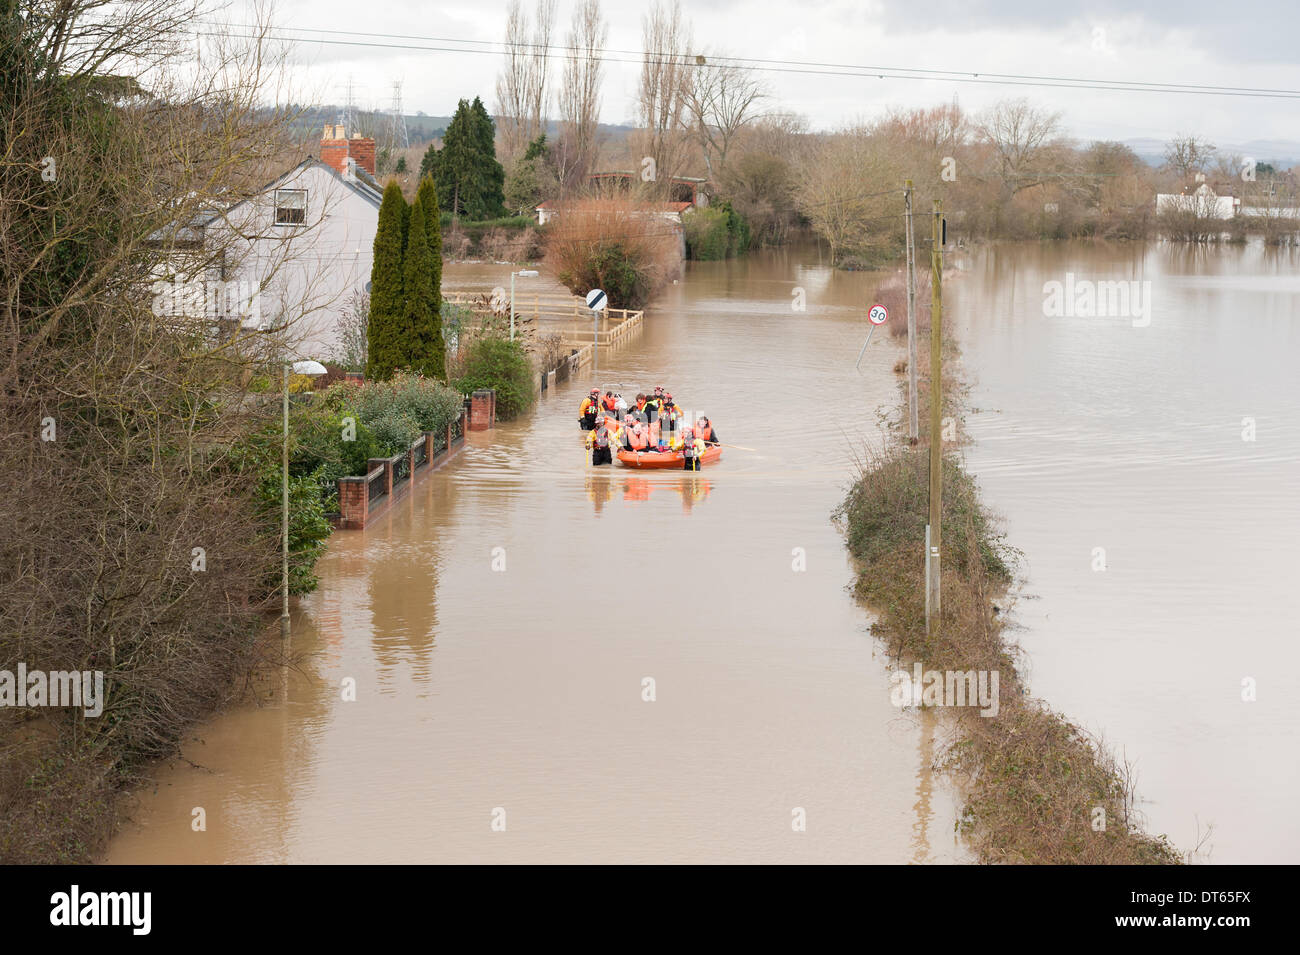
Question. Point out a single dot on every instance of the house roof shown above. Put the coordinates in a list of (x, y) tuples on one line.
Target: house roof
[(365, 185)]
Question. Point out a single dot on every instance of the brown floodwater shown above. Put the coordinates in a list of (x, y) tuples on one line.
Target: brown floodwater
[(1173, 447), (500, 624)]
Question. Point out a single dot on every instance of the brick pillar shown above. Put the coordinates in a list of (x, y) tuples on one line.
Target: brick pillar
[(355, 377), (482, 413), (354, 502), (410, 465)]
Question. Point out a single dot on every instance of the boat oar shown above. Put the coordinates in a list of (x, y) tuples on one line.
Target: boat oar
[(736, 446)]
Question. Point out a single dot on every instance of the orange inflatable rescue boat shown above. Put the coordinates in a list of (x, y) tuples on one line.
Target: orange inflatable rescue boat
[(664, 459)]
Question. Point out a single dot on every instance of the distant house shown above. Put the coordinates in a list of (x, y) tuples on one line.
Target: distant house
[(293, 255), (684, 192), (1203, 202)]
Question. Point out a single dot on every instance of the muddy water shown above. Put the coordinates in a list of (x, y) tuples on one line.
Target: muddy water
[(500, 624), (1093, 433)]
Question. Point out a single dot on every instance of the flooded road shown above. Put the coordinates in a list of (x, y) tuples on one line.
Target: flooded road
[(501, 622), (1094, 433)]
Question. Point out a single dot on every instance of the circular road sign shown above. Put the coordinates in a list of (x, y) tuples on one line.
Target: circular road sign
[(878, 315)]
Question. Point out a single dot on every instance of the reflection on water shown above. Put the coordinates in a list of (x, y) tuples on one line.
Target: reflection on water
[(499, 625), (1106, 444)]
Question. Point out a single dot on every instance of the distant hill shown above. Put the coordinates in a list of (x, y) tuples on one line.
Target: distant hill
[(1280, 153), (423, 129)]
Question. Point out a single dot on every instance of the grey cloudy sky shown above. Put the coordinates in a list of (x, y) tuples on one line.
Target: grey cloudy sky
[(1190, 42)]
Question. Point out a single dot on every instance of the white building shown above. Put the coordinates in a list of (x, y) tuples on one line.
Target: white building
[(1203, 203), (293, 256)]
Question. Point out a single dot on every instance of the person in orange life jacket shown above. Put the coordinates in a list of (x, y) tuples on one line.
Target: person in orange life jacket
[(610, 403), (692, 451), (704, 429), (600, 450), (638, 438), (641, 410), (588, 410)]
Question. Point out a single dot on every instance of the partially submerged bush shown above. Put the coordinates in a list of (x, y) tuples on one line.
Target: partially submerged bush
[(625, 248), (715, 232)]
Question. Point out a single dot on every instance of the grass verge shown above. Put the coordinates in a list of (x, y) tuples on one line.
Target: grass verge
[(1037, 789)]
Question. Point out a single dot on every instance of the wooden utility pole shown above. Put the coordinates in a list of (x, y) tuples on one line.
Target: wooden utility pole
[(936, 414), (913, 413)]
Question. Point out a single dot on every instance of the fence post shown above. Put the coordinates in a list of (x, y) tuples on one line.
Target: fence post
[(354, 502), (482, 410)]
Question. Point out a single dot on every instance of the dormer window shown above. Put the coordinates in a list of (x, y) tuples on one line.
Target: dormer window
[(290, 206)]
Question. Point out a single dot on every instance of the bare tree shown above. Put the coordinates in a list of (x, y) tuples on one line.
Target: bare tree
[(661, 100), (121, 151), (855, 220), (1187, 155), (579, 96), (1024, 141), (721, 97), (522, 84)]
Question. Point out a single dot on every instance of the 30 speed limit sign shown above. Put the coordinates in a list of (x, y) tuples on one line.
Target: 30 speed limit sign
[(877, 316)]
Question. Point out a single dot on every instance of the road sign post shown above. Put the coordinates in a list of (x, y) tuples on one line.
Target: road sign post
[(877, 315), (596, 301)]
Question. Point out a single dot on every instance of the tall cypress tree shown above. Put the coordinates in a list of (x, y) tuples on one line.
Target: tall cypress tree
[(418, 305), (385, 332), (427, 199)]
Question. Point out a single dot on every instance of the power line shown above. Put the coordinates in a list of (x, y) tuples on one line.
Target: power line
[(804, 67)]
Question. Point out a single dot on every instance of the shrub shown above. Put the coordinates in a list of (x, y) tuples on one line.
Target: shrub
[(309, 528), (500, 364), (615, 245), (706, 234), (429, 404)]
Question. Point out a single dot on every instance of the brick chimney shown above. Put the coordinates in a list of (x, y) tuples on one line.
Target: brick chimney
[(336, 149), (363, 151)]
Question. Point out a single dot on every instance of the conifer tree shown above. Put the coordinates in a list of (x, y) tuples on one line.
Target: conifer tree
[(418, 312), (427, 199), (385, 331)]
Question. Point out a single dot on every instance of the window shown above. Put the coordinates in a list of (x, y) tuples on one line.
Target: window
[(290, 206)]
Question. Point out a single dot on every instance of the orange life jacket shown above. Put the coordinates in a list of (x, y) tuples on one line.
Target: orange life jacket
[(638, 440), (705, 433), (611, 403)]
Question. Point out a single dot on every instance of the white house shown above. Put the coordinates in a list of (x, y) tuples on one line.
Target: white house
[(294, 255), (1203, 202)]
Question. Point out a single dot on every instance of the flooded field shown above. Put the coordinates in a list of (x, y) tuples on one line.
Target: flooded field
[(1169, 454)]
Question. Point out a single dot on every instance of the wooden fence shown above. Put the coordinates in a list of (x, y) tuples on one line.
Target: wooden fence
[(567, 316)]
